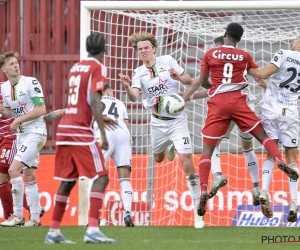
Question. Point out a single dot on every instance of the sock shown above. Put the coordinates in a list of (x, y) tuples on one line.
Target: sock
[(216, 163), (193, 184), (59, 210), (25, 204), (252, 164), (293, 185), (18, 194), (6, 199), (267, 173), (96, 200), (204, 169), (270, 145), (126, 193), (33, 200)]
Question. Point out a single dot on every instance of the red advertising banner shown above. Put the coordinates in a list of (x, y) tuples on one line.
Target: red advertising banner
[(172, 203)]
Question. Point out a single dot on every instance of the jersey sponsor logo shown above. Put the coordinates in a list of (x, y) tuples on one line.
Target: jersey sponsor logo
[(159, 89), (235, 57), (80, 68), (37, 90), (20, 111)]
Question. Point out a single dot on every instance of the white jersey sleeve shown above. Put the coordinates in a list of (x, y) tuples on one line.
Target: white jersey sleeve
[(35, 90), (136, 83)]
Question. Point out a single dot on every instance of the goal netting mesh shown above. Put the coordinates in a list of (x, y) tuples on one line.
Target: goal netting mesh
[(161, 196)]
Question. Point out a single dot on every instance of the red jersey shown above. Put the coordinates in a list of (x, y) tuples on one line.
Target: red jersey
[(227, 67), (76, 125), (5, 131)]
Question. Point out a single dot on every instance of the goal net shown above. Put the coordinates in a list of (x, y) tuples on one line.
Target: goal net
[(161, 196)]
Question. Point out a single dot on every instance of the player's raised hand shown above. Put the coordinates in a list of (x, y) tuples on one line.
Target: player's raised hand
[(125, 80), (174, 75)]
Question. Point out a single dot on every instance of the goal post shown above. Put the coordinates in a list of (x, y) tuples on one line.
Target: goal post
[(184, 30)]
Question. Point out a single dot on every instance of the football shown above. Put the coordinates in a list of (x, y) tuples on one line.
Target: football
[(173, 104)]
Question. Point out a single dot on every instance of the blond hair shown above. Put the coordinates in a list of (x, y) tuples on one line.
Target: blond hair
[(142, 36), (7, 55)]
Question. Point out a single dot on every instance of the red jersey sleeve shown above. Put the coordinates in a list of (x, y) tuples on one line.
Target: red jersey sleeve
[(98, 79), (251, 64), (204, 64)]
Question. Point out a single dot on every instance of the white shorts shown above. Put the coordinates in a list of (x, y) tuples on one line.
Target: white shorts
[(119, 147), (29, 146), (243, 136), (280, 127), (163, 132)]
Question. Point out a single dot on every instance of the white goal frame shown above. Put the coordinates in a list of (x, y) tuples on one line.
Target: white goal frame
[(85, 29)]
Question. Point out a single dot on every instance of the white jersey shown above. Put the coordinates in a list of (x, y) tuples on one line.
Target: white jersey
[(281, 96), (22, 98), (114, 109), (156, 82)]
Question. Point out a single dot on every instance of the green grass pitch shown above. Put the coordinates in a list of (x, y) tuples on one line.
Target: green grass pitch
[(153, 238)]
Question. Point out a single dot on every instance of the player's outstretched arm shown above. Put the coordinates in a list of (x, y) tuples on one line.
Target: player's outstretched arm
[(132, 93), (56, 114), (197, 95), (37, 112), (196, 83), (263, 73)]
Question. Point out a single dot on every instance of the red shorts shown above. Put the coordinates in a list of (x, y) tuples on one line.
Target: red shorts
[(224, 108), (74, 161), (8, 149)]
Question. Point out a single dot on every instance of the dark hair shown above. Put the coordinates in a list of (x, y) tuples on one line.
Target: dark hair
[(219, 40), (95, 43), (106, 87), (235, 30)]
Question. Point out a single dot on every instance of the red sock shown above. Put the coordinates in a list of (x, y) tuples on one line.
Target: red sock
[(270, 145), (96, 200), (6, 199), (204, 169), (25, 205), (59, 210)]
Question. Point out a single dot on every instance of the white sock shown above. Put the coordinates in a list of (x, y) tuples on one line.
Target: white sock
[(267, 173), (18, 194), (216, 163), (193, 184), (126, 193), (293, 185), (33, 200), (252, 164)]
